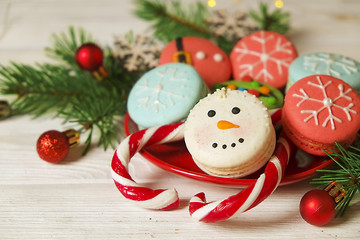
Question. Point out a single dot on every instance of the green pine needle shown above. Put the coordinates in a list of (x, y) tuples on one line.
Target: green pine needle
[(347, 174), (72, 93), (66, 44), (92, 113), (39, 88), (276, 21), (171, 21)]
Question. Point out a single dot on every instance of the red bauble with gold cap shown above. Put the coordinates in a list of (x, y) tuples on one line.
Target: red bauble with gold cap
[(317, 207), (89, 57), (53, 146)]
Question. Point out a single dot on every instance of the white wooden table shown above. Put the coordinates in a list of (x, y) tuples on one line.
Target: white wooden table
[(77, 198)]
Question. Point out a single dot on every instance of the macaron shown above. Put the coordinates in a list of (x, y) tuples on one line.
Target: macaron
[(263, 56), (335, 65), (208, 59), (319, 110), (230, 134), (270, 96), (165, 95)]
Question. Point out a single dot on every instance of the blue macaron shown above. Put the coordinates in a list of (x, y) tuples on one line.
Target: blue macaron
[(335, 65), (165, 95)]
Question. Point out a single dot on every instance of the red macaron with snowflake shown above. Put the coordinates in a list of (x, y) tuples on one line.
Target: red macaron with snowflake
[(263, 56), (319, 110)]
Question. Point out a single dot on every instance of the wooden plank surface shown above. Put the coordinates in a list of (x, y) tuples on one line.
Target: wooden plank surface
[(77, 198)]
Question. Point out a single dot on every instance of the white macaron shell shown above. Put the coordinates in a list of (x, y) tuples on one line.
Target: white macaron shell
[(252, 124)]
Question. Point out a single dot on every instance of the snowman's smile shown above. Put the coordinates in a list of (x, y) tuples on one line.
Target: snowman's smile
[(223, 125), (224, 146)]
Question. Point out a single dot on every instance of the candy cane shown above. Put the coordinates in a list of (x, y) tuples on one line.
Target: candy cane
[(160, 199), (250, 196)]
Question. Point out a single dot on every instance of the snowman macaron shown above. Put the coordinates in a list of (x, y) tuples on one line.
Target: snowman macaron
[(230, 134)]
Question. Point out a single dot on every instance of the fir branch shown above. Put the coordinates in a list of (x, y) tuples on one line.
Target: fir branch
[(39, 89), (347, 174), (70, 91), (172, 21), (44, 88), (100, 114), (119, 78), (276, 21), (66, 44)]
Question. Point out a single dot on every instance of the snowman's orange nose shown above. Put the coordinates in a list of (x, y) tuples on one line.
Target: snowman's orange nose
[(222, 124)]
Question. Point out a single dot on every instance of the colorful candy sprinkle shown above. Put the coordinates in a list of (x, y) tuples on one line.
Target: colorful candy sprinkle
[(254, 92), (264, 90), (231, 86), (241, 89), (255, 84), (272, 100)]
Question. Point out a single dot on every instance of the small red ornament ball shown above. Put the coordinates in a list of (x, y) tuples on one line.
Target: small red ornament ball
[(89, 57), (317, 207), (52, 146)]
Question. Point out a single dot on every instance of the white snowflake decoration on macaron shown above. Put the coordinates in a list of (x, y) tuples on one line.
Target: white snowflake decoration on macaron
[(327, 103)]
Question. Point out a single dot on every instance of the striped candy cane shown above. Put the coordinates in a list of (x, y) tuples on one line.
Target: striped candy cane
[(159, 199), (162, 199), (250, 196)]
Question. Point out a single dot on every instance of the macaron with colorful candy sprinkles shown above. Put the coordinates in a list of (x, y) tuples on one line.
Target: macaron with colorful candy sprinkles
[(270, 96)]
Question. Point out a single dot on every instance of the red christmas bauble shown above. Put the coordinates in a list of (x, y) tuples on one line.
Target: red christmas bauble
[(52, 146), (317, 207), (89, 57)]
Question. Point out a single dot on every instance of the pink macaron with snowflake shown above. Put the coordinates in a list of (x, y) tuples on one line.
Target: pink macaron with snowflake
[(319, 110), (208, 59), (263, 56)]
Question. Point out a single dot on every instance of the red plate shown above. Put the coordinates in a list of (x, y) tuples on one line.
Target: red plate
[(175, 158)]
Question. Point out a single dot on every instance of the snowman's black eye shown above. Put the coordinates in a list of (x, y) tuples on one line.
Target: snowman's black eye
[(211, 113), (235, 110)]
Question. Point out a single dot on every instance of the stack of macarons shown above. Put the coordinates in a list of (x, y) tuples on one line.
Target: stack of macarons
[(258, 63), (321, 102), (229, 133)]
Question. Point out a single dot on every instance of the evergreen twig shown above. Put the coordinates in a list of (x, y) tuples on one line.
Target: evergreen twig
[(64, 45), (172, 20), (347, 174), (276, 21), (72, 93), (102, 115), (39, 89)]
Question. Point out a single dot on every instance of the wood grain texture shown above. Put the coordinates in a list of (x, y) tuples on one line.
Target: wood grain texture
[(77, 198)]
